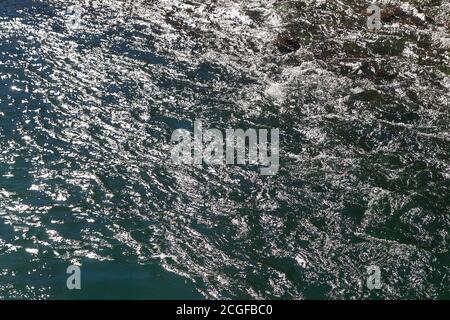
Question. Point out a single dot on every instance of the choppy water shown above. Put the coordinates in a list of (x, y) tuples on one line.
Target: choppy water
[(86, 116)]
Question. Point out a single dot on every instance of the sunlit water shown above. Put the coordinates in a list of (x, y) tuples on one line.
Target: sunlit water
[(87, 109)]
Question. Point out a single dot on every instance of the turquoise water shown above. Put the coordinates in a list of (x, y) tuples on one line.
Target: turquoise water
[(86, 115)]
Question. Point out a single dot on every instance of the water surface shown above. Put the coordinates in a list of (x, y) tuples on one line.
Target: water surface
[(86, 116)]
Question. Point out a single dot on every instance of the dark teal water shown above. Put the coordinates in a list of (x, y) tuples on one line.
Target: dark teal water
[(86, 116)]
